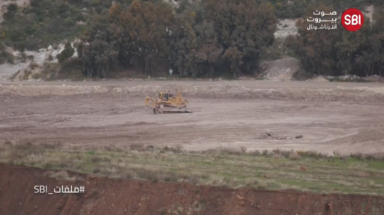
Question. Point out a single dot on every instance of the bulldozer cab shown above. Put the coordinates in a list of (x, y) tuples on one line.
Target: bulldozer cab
[(165, 96)]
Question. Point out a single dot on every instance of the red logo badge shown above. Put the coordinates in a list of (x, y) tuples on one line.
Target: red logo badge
[(352, 19)]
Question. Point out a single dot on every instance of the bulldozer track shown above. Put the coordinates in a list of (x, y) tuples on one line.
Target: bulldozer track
[(156, 111)]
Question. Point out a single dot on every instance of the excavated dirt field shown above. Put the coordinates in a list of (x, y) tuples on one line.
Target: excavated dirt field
[(341, 117), (324, 117), (114, 197)]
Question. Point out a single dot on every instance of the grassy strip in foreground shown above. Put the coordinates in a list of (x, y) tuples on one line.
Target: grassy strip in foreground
[(305, 171)]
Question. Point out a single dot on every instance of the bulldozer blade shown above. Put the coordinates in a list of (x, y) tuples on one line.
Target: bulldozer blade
[(177, 112)]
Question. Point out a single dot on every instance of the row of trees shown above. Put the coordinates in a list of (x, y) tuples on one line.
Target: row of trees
[(340, 52), (223, 37), (206, 38), (42, 23)]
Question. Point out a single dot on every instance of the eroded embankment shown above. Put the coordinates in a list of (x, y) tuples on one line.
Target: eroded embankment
[(219, 91), (107, 196)]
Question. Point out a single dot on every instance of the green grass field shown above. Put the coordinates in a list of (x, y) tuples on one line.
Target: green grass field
[(303, 171)]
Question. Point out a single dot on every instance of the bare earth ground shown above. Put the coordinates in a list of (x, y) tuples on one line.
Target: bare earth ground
[(120, 197), (341, 117)]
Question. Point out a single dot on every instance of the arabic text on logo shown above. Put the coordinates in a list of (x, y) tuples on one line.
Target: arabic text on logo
[(322, 23)]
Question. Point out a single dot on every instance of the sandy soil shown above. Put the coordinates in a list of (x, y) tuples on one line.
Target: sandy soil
[(331, 116)]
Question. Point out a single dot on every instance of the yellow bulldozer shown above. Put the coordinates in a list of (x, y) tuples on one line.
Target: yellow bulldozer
[(168, 103)]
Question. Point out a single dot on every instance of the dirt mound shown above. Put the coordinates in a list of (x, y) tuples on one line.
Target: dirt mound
[(275, 136), (366, 134), (105, 196), (374, 78), (319, 79), (362, 136), (279, 70)]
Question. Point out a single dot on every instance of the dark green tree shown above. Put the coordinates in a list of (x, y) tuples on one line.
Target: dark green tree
[(65, 55), (203, 39), (244, 29), (11, 11)]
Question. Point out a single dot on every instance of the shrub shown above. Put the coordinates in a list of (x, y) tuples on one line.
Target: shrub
[(358, 156), (8, 143), (255, 153), (11, 11), (243, 149), (294, 156), (136, 147), (230, 151), (96, 159)]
